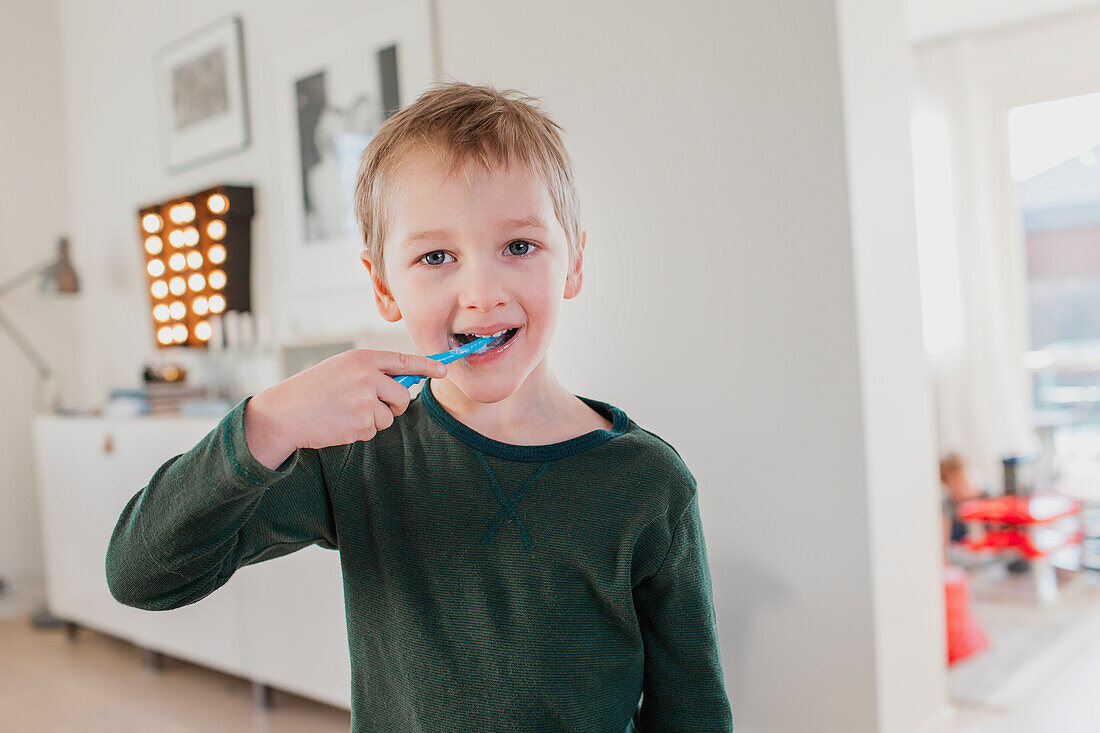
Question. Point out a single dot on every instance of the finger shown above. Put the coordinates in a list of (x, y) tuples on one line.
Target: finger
[(367, 433), (394, 394), (396, 363), (383, 416)]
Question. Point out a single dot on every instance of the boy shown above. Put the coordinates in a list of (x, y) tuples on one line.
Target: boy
[(514, 557)]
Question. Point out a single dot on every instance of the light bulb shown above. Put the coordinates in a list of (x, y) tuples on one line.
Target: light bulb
[(159, 289), (203, 331), (217, 204), (177, 261), (217, 279), (216, 254), (197, 282), (177, 286), (190, 236), (199, 306), (161, 312), (153, 245), (155, 268), (177, 310), (217, 304), (216, 229), (164, 335), (151, 223), (194, 259), (179, 333), (176, 237)]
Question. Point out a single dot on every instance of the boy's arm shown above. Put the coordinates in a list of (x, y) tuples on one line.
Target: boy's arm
[(683, 689), (214, 509)]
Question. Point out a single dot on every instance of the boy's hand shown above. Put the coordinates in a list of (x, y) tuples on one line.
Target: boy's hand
[(345, 398)]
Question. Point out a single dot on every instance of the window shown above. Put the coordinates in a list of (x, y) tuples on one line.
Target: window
[(1055, 161)]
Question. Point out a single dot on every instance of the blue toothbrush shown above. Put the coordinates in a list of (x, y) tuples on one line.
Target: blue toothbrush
[(447, 357)]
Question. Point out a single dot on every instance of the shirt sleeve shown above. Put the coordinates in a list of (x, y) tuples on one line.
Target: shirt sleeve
[(683, 687), (214, 509)]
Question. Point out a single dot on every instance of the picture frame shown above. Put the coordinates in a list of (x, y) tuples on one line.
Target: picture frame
[(334, 88), (203, 95)]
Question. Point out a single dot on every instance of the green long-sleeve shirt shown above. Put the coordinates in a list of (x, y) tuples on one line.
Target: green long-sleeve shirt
[(487, 586)]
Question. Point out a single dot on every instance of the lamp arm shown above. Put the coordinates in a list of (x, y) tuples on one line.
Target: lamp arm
[(24, 276), (20, 341)]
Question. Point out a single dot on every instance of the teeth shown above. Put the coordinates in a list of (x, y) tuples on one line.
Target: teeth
[(478, 335)]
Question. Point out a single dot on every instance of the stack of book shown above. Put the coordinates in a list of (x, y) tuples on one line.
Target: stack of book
[(166, 397), (155, 398)]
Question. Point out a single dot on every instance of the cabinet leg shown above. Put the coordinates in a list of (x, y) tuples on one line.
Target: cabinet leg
[(261, 696), (43, 619), (1046, 581), (152, 660), (70, 630)]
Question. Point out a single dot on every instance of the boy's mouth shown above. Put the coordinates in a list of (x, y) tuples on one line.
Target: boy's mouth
[(504, 336)]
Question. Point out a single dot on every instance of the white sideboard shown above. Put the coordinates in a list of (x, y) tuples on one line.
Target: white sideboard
[(278, 623)]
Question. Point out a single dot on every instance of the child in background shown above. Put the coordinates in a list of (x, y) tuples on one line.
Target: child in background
[(514, 557), (955, 477)]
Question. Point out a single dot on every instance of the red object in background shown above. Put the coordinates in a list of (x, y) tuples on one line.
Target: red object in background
[(1005, 539), (1019, 517), (1034, 509), (964, 635)]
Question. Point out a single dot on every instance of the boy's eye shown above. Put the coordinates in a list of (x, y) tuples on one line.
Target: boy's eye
[(436, 258), (520, 247)]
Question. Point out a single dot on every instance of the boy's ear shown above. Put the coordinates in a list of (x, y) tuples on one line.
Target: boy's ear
[(383, 298), (575, 277)]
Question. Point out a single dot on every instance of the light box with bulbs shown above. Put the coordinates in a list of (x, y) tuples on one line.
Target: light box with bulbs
[(197, 261)]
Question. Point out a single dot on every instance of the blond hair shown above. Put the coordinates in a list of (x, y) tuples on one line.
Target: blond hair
[(468, 123)]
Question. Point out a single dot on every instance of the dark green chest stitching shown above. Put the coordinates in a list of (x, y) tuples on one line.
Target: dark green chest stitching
[(508, 504)]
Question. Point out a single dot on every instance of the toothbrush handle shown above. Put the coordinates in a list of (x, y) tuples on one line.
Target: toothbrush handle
[(408, 380), (446, 357)]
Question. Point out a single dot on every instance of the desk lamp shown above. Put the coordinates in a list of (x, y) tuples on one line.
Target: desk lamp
[(58, 276)]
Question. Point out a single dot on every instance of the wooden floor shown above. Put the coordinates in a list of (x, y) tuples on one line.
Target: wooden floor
[(49, 684)]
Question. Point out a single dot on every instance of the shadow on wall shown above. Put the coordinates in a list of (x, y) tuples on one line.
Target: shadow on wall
[(754, 594)]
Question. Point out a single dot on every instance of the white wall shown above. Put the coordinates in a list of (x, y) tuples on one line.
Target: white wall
[(902, 482), (728, 206), (33, 214), (936, 19), (116, 161)]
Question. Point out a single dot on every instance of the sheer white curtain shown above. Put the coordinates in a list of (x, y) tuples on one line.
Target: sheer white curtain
[(971, 259)]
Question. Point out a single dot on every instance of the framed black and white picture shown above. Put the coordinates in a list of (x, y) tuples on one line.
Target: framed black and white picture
[(202, 95), (336, 118), (335, 88)]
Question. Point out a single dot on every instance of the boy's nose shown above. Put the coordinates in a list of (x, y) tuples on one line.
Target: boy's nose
[(481, 289)]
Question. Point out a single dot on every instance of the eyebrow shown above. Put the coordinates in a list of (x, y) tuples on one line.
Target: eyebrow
[(523, 221)]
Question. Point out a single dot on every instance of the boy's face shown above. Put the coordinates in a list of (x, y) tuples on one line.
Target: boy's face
[(475, 253)]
